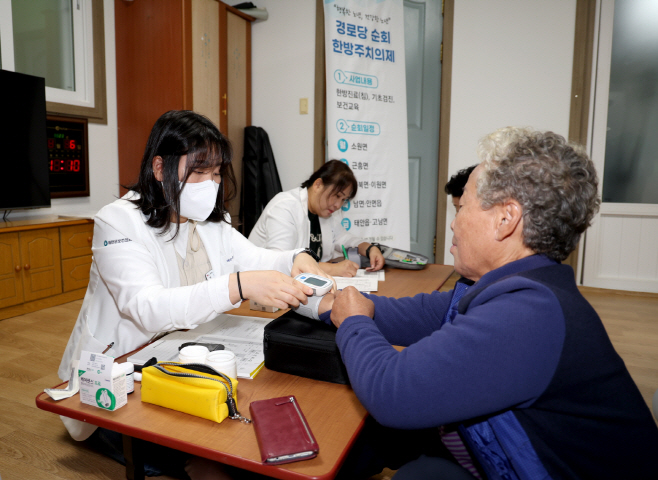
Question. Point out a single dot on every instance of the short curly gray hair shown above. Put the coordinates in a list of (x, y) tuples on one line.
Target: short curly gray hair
[(554, 181)]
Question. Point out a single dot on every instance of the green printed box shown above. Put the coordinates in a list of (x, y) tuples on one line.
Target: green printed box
[(101, 383)]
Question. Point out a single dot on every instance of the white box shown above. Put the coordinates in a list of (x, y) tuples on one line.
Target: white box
[(261, 308), (101, 385)]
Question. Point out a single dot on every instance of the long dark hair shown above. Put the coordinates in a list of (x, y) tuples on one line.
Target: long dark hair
[(334, 174), (177, 133)]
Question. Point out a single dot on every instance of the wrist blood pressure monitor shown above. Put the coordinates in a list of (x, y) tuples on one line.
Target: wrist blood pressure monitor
[(320, 285)]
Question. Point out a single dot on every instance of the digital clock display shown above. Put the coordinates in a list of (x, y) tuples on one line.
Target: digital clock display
[(67, 154)]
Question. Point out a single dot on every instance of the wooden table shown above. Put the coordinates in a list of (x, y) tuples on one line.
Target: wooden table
[(333, 411)]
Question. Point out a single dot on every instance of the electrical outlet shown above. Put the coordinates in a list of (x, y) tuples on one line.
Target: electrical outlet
[(303, 106)]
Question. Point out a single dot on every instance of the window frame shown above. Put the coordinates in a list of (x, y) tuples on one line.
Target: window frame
[(90, 52)]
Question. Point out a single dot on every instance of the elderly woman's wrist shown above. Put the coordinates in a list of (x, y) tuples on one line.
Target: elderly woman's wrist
[(326, 304)]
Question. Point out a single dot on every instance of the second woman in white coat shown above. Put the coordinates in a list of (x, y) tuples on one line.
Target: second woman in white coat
[(306, 217)]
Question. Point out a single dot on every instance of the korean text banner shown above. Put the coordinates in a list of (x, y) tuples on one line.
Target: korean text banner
[(367, 114)]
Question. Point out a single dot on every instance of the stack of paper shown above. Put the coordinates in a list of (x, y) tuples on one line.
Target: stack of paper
[(364, 281), (241, 335)]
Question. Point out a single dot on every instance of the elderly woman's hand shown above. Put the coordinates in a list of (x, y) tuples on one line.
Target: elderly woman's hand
[(326, 303), (350, 302)]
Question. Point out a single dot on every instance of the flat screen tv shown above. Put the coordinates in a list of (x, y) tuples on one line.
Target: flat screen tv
[(24, 181)]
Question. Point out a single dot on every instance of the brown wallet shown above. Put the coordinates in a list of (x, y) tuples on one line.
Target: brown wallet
[(282, 431)]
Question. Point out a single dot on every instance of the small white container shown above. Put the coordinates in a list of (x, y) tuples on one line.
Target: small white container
[(129, 369), (193, 354), (223, 361)]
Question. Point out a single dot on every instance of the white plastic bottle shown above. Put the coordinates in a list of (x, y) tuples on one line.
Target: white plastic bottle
[(129, 369)]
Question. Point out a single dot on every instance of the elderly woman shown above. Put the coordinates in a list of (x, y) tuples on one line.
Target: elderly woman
[(519, 368)]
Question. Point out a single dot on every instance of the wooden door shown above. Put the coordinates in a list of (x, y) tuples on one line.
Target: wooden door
[(11, 283), (152, 74), (40, 257), (236, 88), (205, 62), (180, 54)]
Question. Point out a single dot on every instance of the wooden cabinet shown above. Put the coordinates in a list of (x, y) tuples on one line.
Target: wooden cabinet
[(35, 269), (76, 255), (180, 54), (11, 281), (43, 262)]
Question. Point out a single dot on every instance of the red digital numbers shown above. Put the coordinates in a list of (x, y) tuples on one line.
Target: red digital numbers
[(68, 144), (57, 165)]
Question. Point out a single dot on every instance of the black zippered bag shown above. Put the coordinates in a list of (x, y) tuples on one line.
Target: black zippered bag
[(304, 347)]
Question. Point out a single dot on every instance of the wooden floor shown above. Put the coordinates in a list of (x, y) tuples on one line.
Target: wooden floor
[(35, 446)]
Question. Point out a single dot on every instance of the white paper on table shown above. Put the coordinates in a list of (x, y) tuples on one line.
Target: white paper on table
[(366, 283), (380, 274), (236, 327)]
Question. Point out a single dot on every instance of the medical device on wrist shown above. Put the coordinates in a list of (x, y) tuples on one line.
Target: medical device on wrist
[(320, 285)]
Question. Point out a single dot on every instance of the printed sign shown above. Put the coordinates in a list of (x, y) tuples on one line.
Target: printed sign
[(367, 114)]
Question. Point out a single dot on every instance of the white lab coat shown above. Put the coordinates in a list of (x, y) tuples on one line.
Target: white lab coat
[(284, 225), (132, 294)]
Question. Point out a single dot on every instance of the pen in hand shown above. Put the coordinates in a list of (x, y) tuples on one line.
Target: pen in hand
[(344, 252), (108, 347)]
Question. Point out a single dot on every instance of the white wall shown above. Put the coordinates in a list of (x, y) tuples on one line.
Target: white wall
[(283, 71), (103, 147), (512, 64)]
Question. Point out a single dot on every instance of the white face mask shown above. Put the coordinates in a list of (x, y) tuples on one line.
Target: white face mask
[(197, 200)]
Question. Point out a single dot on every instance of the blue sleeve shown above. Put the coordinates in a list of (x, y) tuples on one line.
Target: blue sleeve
[(501, 353), (406, 320)]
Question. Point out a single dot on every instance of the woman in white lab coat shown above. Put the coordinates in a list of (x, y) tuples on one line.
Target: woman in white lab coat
[(165, 256), (307, 217)]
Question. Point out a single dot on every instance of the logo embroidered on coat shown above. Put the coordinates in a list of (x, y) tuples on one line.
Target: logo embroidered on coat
[(112, 242)]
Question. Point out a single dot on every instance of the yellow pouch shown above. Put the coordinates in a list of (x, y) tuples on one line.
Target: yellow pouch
[(193, 388)]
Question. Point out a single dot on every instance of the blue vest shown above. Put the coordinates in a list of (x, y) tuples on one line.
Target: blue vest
[(590, 422)]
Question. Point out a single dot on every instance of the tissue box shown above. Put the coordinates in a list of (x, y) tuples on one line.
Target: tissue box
[(261, 308), (102, 382)]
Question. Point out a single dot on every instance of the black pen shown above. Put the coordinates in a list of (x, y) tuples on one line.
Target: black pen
[(108, 347)]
